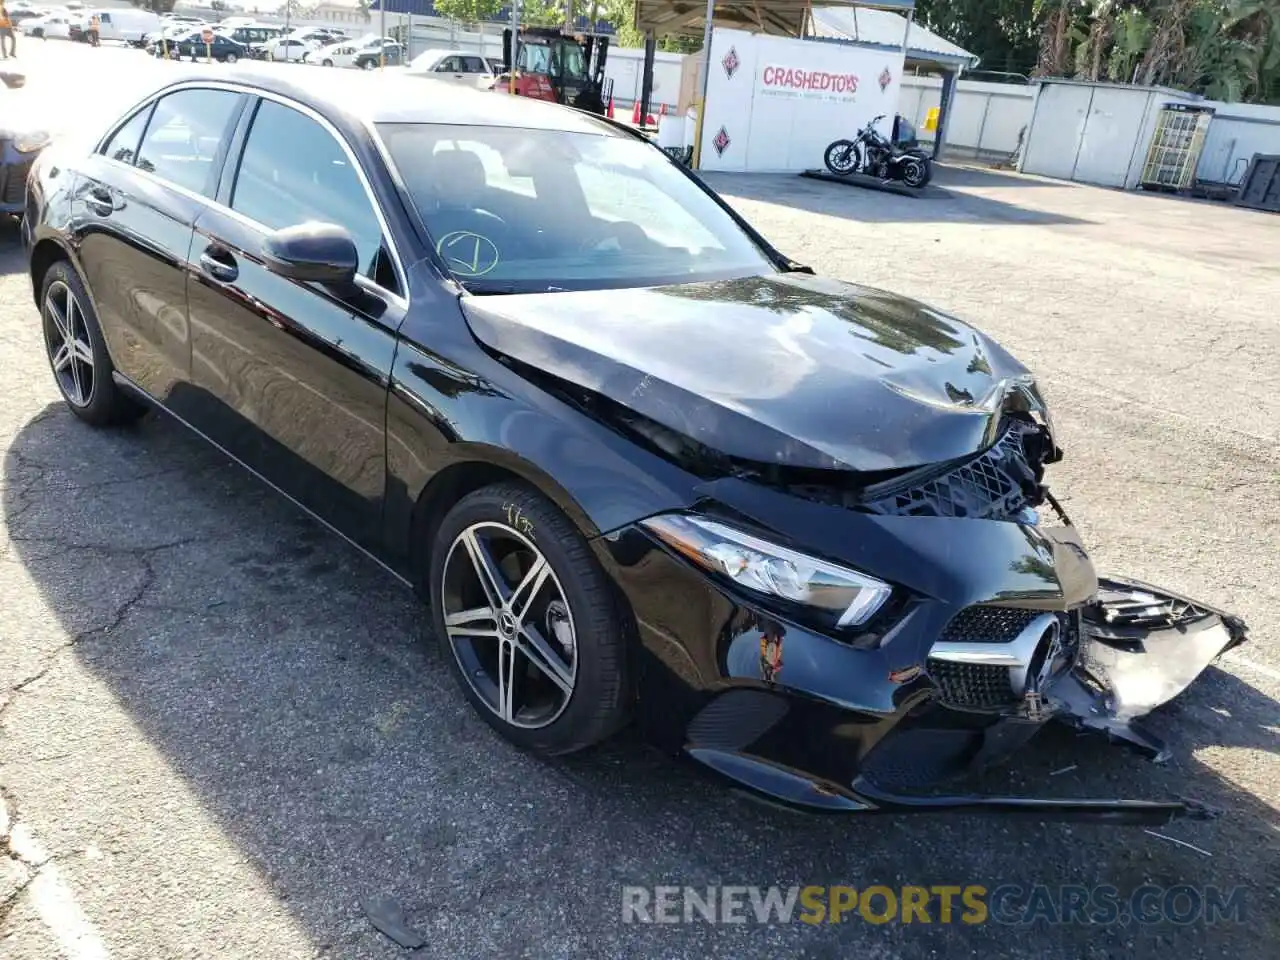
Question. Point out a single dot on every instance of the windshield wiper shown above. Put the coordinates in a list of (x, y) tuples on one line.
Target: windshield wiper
[(485, 288), (489, 287)]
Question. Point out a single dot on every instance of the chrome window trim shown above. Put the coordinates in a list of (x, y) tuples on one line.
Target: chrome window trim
[(397, 264)]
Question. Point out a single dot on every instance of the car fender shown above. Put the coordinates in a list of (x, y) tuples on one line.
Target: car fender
[(477, 411)]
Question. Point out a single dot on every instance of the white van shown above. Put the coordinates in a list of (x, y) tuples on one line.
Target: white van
[(126, 24)]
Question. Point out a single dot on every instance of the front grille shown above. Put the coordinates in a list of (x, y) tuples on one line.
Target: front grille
[(998, 484), (974, 686), (988, 624)]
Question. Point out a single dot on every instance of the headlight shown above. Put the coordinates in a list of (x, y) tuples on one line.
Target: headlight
[(772, 570), (30, 142)]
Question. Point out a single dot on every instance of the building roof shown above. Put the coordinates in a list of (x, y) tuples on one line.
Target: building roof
[(427, 8), (781, 17), (881, 28)]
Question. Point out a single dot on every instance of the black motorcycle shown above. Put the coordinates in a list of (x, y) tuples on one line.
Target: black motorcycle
[(872, 153)]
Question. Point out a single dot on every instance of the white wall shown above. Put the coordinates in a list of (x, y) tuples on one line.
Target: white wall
[(775, 103), (1100, 133), (985, 117), (1238, 131)]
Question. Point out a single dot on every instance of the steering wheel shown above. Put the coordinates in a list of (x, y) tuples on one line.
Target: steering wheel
[(624, 234)]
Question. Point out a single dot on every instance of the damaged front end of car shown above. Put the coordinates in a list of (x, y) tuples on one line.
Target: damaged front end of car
[(998, 626), (852, 612)]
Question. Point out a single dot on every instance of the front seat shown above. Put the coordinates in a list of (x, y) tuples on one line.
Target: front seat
[(462, 197)]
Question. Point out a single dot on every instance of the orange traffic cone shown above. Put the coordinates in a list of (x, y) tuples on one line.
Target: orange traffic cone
[(609, 112), (635, 113)]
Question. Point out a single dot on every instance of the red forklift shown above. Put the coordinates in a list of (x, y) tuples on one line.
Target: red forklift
[(556, 66)]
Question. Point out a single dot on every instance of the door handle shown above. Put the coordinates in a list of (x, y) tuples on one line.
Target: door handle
[(219, 264), (99, 200)]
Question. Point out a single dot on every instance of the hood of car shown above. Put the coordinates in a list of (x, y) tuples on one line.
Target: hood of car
[(789, 370)]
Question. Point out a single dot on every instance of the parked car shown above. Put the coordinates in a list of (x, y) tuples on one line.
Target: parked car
[(288, 48), (642, 464), (345, 52), (252, 33), (453, 66), (22, 137), (50, 26), (19, 14), (162, 41), (341, 54), (171, 19), (223, 49), (128, 25), (388, 53)]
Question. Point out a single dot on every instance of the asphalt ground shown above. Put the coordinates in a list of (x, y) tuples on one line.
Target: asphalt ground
[(221, 733)]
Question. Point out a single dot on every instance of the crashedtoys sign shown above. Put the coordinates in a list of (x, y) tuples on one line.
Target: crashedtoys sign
[(774, 103)]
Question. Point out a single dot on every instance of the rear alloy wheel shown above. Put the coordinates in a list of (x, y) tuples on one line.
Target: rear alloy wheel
[(230, 58), (528, 621), (915, 173), (77, 354)]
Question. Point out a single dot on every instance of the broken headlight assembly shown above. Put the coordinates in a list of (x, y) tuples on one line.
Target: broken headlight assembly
[(842, 597)]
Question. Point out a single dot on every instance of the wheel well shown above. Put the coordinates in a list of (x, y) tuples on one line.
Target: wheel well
[(445, 489), (43, 256)]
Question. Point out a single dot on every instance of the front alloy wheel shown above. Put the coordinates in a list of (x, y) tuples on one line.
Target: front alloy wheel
[(528, 620), (509, 625)]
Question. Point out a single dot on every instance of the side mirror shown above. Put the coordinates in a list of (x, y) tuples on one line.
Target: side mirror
[(313, 253)]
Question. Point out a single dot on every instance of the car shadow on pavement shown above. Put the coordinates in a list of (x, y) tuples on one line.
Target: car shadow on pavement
[(948, 199), (280, 677)]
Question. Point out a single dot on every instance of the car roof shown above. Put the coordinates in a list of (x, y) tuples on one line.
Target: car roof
[(393, 95)]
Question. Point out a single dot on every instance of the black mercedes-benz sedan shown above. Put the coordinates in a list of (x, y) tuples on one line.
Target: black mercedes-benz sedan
[(639, 464)]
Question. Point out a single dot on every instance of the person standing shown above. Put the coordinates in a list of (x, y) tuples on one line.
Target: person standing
[(95, 28), (8, 42)]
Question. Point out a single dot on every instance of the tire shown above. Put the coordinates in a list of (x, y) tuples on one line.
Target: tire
[(843, 158), (230, 58), (916, 172), (573, 610), (327, 63), (99, 402), (369, 65)]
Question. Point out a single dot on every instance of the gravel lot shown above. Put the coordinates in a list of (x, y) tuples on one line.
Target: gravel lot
[(220, 731)]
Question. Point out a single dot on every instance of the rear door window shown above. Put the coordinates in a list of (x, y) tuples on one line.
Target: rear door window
[(123, 145)]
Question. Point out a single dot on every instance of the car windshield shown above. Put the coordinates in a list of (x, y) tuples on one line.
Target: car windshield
[(520, 210), (567, 61)]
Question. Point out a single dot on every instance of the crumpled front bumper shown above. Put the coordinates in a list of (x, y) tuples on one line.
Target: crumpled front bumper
[(812, 722)]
